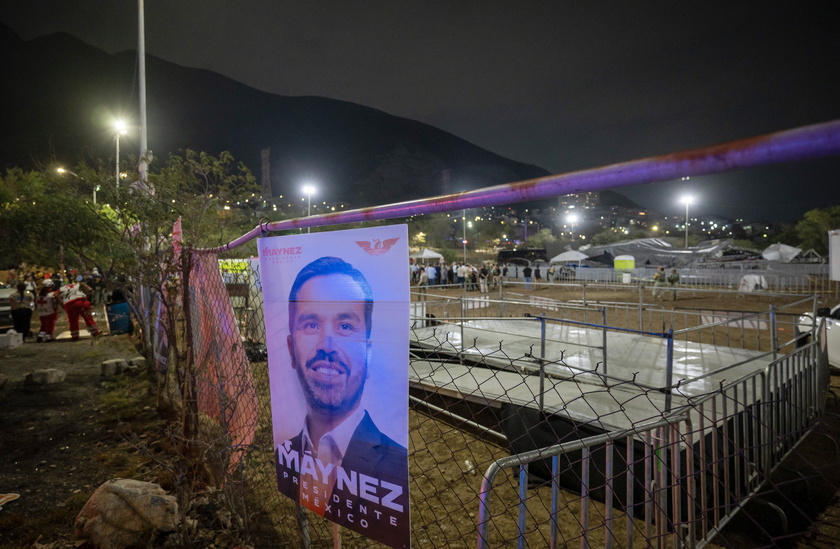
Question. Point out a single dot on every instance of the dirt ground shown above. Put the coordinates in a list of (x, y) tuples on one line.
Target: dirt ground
[(61, 442)]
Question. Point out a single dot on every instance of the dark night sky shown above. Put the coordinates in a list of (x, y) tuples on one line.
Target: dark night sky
[(563, 85)]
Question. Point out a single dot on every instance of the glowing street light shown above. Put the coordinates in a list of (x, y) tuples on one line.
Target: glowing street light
[(308, 190), (687, 200), (74, 174), (119, 129), (572, 219)]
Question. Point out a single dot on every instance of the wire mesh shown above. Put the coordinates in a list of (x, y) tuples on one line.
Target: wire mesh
[(596, 460)]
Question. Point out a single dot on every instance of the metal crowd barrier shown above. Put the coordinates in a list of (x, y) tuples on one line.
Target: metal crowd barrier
[(678, 480)]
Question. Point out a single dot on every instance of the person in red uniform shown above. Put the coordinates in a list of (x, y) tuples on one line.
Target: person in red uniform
[(77, 304), (47, 310)]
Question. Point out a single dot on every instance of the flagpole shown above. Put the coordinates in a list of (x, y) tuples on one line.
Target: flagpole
[(145, 297), (141, 58)]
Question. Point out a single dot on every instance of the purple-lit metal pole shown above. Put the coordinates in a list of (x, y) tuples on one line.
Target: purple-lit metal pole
[(803, 143)]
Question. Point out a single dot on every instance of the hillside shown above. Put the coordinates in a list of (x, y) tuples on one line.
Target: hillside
[(61, 95)]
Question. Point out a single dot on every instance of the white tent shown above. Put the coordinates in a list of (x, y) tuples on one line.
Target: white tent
[(426, 253), (780, 252), (571, 255)]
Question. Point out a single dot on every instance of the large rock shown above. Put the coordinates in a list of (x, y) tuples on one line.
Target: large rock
[(10, 340), (112, 367), (47, 376), (126, 512)]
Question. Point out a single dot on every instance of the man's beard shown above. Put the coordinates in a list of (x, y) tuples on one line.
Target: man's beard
[(335, 399)]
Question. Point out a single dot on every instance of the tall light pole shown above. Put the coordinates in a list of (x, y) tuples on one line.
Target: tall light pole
[(119, 129), (143, 166), (687, 200), (308, 190), (572, 219), (464, 240)]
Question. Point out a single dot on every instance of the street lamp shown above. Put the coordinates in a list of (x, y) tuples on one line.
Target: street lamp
[(572, 219), (119, 129), (464, 240), (687, 200), (74, 174), (308, 190)]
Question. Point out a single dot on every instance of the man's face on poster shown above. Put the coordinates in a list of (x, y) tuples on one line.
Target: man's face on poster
[(328, 343)]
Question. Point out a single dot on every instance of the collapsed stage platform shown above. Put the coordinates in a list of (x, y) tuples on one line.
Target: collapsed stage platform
[(609, 379)]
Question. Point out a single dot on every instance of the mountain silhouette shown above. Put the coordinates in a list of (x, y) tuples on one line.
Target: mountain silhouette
[(60, 97)]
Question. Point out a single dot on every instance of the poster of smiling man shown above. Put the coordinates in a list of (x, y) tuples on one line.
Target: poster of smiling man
[(336, 319)]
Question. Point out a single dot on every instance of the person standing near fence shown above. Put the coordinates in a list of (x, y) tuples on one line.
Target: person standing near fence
[(20, 303), (673, 280), (432, 274), (472, 278), (422, 281), (659, 283), (76, 305), (482, 278), (47, 311), (526, 273), (462, 273)]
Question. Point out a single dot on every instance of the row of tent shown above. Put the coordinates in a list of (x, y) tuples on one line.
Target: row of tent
[(651, 251), (656, 251), (565, 257)]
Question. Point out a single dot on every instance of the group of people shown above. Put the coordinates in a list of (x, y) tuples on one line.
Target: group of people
[(469, 277), (44, 294), (483, 278), (661, 280)]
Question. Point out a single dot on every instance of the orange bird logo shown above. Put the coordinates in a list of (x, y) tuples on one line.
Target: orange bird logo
[(378, 247)]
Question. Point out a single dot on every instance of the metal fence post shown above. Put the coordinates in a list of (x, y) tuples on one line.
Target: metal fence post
[(604, 336), (463, 317), (774, 334), (542, 362), (501, 296), (669, 369), (641, 306)]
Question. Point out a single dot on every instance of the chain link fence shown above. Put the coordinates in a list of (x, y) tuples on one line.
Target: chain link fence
[(513, 439)]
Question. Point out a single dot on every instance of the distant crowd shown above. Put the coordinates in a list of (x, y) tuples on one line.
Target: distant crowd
[(43, 294), (482, 278), (467, 276)]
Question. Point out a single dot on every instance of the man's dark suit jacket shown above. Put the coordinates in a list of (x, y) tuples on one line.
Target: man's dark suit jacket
[(370, 453)]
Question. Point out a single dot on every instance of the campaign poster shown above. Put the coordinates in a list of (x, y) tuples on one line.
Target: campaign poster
[(337, 326)]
